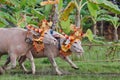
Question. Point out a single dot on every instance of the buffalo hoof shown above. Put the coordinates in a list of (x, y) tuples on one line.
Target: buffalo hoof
[(76, 68), (2, 71), (29, 72), (59, 73)]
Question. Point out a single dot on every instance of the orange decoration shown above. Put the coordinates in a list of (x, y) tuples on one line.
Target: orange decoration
[(71, 38), (40, 39), (44, 20), (60, 30), (66, 36), (65, 53), (38, 46), (68, 46), (38, 43), (40, 30), (49, 2), (37, 30), (32, 28), (28, 26)]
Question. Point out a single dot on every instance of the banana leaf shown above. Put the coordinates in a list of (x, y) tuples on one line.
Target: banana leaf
[(93, 9), (7, 16), (65, 15), (47, 10), (38, 14), (107, 5), (60, 4), (3, 22), (89, 35), (65, 26)]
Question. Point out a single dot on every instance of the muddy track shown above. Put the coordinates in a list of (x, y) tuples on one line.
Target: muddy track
[(47, 73)]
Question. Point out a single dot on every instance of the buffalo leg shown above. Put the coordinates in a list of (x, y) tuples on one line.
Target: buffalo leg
[(12, 59), (52, 60), (67, 59), (30, 57), (21, 63), (21, 60), (7, 62)]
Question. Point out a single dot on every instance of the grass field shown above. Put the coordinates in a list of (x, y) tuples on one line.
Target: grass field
[(92, 66), (87, 71)]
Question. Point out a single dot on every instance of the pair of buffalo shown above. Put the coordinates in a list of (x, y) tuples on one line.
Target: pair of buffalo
[(17, 42)]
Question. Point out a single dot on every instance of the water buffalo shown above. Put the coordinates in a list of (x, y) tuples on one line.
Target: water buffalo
[(52, 51), (17, 42)]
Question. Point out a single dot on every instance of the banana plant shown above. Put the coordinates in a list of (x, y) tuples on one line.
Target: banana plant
[(79, 5), (65, 15), (70, 7), (93, 9), (20, 13), (115, 22), (107, 5)]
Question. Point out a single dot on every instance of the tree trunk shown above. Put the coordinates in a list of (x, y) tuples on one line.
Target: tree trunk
[(115, 35), (77, 22), (101, 28), (55, 17), (95, 29)]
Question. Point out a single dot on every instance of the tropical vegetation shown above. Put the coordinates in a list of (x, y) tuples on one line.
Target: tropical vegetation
[(96, 18)]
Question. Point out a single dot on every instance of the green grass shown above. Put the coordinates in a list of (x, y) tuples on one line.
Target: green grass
[(87, 71), (90, 68)]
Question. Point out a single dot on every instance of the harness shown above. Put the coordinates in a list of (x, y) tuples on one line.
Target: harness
[(65, 48), (64, 51), (38, 44), (58, 39), (27, 39)]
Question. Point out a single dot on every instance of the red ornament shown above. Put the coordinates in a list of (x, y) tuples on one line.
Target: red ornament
[(28, 26), (82, 34), (40, 30), (37, 30), (32, 28)]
